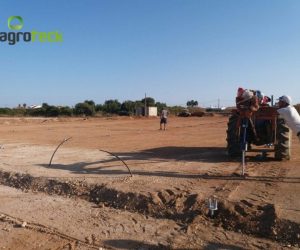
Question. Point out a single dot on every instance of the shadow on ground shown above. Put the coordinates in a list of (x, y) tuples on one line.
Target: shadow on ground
[(133, 244), (218, 246), (167, 154)]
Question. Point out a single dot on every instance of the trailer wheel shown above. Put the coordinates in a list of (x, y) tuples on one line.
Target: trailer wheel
[(283, 141), (233, 141)]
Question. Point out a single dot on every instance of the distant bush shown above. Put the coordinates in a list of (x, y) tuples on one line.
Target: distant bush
[(112, 106), (65, 111), (19, 111), (160, 106), (12, 112), (49, 111), (52, 111), (6, 111), (99, 108), (35, 112), (84, 108), (175, 110), (127, 108)]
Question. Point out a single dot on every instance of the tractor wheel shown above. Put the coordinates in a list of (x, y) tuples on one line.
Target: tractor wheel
[(233, 142), (283, 144)]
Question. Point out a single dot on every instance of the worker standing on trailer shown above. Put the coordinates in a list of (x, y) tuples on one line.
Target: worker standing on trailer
[(246, 102), (289, 114)]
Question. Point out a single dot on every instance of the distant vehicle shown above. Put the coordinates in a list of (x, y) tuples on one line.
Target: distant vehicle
[(35, 106), (184, 113), (215, 109), (123, 113)]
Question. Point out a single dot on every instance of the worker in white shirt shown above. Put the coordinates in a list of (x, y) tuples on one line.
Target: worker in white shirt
[(289, 114)]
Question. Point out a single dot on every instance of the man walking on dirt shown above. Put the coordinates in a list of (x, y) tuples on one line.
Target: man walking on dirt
[(289, 114), (164, 118)]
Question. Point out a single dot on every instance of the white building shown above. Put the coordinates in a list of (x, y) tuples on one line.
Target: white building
[(150, 111)]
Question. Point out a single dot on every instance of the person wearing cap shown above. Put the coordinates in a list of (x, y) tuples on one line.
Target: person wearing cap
[(289, 114)]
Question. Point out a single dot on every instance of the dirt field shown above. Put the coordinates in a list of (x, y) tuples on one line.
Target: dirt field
[(87, 198)]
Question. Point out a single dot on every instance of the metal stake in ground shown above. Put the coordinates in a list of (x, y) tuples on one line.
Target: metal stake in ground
[(118, 159), (244, 144), (212, 205)]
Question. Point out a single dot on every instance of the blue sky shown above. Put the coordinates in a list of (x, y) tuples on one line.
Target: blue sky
[(173, 50)]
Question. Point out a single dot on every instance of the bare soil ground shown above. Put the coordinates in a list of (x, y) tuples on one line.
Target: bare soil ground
[(87, 199)]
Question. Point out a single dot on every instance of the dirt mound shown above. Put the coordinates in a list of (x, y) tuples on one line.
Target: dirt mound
[(168, 204), (187, 209), (262, 221)]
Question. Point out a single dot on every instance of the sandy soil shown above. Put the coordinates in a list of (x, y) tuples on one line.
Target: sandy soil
[(87, 199)]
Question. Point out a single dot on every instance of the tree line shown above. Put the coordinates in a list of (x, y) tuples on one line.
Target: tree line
[(86, 108), (109, 107)]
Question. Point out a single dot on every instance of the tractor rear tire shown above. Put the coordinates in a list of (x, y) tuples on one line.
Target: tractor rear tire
[(233, 140), (283, 144)]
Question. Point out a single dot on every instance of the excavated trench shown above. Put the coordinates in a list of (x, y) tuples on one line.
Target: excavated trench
[(242, 217), (261, 221)]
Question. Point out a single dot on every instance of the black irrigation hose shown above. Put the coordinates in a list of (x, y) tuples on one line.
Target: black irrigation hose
[(65, 140), (118, 159)]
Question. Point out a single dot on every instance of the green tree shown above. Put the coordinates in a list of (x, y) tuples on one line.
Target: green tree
[(160, 106), (35, 112), (99, 107), (90, 102), (65, 111), (45, 106), (112, 106), (138, 104), (84, 108), (128, 106), (192, 103), (5, 111), (150, 102), (52, 111)]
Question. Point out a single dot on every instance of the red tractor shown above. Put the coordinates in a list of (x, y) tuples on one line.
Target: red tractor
[(254, 123)]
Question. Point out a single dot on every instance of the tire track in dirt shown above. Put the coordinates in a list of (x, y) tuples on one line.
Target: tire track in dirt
[(249, 208), (266, 177), (246, 204)]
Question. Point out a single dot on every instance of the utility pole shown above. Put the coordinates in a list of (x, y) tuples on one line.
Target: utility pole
[(218, 103), (145, 105)]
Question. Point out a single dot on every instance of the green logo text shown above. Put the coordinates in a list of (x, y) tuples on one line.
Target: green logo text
[(34, 36)]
